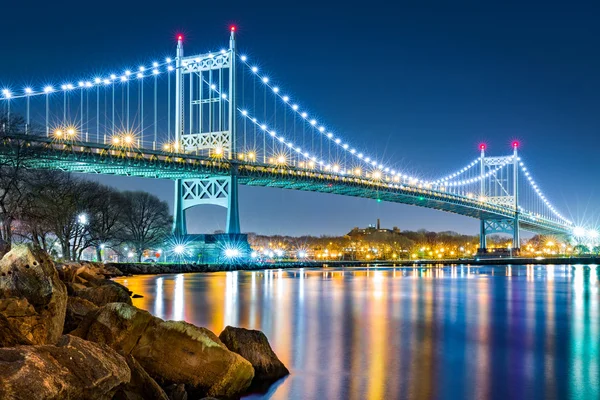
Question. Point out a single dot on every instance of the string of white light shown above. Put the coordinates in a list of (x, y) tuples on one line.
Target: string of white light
[(476, 179), (143, 72), (457, 173), (369, 161), (540, 194), (155, 69)]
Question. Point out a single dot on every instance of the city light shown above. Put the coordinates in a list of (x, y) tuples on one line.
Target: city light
[(179, 249), (231, 253), (82, 219)]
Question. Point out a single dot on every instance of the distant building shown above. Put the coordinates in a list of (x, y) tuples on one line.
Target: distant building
[(357, 233)]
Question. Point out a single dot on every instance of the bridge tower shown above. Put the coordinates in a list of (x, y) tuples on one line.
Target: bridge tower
[(501, 190), (205, 124)]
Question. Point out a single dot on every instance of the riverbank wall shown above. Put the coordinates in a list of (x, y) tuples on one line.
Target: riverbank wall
[(160, 268)]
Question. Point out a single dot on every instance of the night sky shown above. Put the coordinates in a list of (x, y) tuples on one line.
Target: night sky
[(420, 84)]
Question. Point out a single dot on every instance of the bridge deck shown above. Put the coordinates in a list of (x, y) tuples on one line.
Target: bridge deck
[(45, 153)]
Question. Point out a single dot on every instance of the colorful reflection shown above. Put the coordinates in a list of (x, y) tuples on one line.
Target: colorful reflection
[(402, 333)]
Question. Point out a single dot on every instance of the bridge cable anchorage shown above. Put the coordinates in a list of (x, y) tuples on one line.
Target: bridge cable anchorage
[(311, 122)]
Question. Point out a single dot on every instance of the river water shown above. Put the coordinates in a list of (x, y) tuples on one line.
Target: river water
[(457, 332)]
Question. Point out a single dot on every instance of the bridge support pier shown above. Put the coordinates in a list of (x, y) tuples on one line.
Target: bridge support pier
[(216, 190), (507, 226), (233, 211), (482, 238), (179, 222), (516, 242)]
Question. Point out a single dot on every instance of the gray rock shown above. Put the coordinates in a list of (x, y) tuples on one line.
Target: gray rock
[(32, 297)]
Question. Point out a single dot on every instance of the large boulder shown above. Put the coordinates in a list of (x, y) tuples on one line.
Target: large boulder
[(118, 325), (254, 346), (176, 391), (104, 292), (178, 352), (84, 271), (32, 297), (72, 369), (8, 336), (77, 309), (141, 386), (171, 352), (4, 248)]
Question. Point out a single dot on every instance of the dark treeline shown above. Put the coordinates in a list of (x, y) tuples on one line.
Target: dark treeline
[(65, 215)]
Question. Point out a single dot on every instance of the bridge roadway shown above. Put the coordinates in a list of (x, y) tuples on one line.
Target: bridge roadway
[(85, 157)]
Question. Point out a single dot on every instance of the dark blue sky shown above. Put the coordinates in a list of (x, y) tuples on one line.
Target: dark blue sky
[(421, 84)]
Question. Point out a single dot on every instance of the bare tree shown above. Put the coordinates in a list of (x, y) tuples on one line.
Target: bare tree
[(146, 221), (106, 213), (13, 170), (59, 204)]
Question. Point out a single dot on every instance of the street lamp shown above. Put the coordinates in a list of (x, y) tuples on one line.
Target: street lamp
[(82, 219), (47, 91)]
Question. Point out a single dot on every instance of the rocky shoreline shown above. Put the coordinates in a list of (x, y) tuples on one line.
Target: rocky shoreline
[(69, 332)]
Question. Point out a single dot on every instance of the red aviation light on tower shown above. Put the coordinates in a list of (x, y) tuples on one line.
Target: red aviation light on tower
[(515, 144), (482, 146), (233, 28), (179, 37)]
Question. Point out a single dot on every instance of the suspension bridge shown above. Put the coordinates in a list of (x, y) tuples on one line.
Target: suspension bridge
[(213, 121)]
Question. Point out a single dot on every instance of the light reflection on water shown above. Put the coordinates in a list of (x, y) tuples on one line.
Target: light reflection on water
[(386, 333)]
